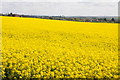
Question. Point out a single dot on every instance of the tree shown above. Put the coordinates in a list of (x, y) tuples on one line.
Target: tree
[(112, 19), (105, 19)]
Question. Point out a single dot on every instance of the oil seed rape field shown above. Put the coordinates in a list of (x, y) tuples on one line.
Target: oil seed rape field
[(41, 48)]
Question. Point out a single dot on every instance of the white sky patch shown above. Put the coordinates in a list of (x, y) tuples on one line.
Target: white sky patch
[(62, 8), (60, 0)]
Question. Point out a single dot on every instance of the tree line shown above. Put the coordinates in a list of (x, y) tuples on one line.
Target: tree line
[(70, 18)]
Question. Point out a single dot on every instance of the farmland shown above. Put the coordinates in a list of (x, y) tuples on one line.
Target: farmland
[(41, 48)]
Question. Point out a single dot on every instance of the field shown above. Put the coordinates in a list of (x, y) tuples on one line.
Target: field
[(40, 48)]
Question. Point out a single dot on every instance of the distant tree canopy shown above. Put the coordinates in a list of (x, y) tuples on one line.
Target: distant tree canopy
[(112, 19)]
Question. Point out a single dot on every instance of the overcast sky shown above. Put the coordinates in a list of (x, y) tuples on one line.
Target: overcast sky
[(62, 7), (60, 0)]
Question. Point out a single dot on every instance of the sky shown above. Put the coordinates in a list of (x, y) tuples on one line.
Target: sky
[(60, 0), (61, 7)]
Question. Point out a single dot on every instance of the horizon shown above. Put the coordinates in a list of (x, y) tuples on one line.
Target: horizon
[(59, 15)]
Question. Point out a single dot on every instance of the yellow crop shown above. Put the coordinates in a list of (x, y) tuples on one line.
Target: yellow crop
[(40, 48)]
